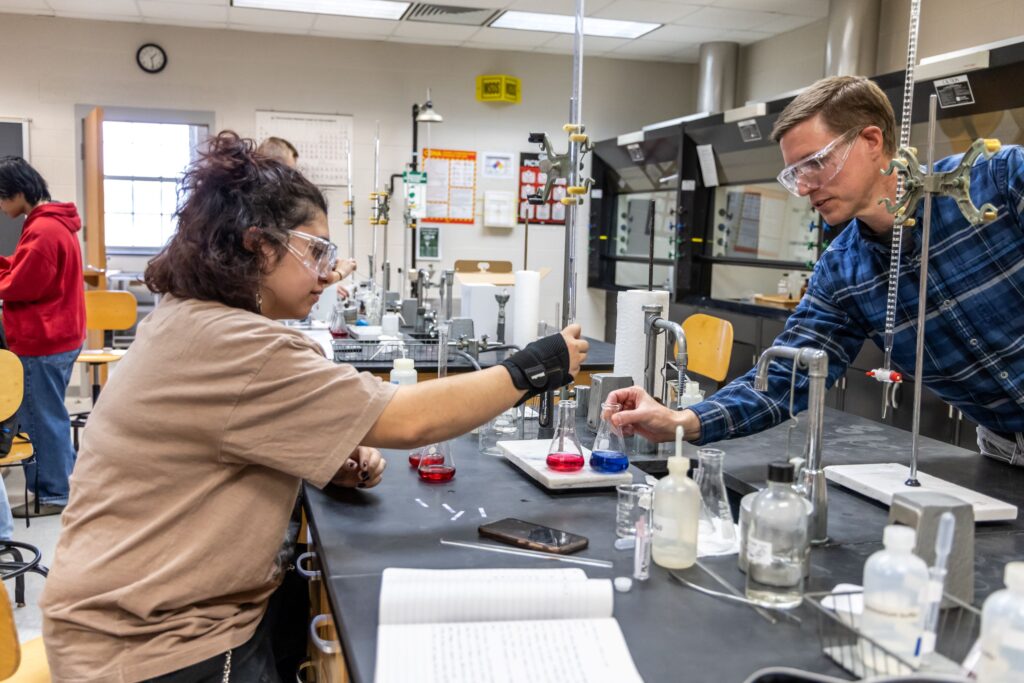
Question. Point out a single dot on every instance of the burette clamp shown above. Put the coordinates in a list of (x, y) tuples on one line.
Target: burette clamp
[(885, 375)]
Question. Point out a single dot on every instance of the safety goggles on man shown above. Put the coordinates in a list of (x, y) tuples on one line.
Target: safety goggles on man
[(316, 253), (815, 170)]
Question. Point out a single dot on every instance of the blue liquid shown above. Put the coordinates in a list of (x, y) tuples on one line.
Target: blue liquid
[(608, 462)]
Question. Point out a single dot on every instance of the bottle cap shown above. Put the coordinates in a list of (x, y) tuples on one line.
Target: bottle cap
[(691, 389), (405, 364), (898, 537), (1013, 576), (678, 465), (781, 472)]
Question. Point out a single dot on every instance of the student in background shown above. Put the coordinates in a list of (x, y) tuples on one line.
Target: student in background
[(44, 318)]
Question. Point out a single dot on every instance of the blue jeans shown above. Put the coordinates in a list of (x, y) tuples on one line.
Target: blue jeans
[(44, 417), (6, 518)]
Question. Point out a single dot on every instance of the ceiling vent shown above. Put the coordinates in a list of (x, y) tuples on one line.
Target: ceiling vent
[(449, 14)]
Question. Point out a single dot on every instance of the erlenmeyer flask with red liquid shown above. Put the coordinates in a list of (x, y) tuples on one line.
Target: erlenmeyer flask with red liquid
[(436, 463), (565, 453)]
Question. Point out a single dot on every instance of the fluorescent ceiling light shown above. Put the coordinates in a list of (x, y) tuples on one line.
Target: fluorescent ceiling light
[(563, 23), (372, 9)]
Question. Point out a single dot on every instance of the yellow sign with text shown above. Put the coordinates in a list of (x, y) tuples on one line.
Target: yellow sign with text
[(498, 88)]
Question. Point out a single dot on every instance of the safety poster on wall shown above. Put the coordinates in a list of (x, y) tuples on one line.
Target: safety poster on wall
[(451, 186), (531, 182)]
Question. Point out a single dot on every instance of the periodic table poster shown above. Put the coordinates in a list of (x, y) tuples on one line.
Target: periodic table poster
[(531, 181), (322, 140)]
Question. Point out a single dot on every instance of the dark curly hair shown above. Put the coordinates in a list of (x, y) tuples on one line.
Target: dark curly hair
[(229, 189)]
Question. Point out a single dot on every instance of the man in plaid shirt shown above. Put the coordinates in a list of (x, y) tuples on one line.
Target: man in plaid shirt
[(835, 137)]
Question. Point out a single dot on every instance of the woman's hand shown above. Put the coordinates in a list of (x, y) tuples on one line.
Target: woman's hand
[(345, 267), (363, 469)]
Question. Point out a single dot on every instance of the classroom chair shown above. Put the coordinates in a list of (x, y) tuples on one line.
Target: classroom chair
[(19, 662), (708, 345), (105, 311), (15, 448)]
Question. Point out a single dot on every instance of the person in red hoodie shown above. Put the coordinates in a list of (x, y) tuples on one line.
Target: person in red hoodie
[(44, 319)]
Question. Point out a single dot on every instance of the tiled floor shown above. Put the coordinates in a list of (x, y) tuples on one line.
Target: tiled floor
[(43, 534)]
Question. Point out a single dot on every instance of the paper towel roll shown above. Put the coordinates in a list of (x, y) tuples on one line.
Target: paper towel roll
[(630, 342), (526, 312)]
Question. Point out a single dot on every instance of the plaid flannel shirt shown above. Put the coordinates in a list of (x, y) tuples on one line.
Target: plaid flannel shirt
[(974, 329)]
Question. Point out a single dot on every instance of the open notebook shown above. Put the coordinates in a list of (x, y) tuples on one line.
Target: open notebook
[(499, 626)]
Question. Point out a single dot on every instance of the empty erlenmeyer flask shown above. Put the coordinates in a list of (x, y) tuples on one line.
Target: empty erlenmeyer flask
[(504, 427), (565, 453), (716, 532), (436, 463), (609, 452)]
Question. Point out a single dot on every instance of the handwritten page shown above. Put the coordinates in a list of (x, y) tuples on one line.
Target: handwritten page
[(457, 596), (566, 651)]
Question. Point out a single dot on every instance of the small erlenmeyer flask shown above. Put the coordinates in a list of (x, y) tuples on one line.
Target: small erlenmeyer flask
[(504, 427), (716, 532), (609, 453), (338, 325), (436, 463), (565, 453)]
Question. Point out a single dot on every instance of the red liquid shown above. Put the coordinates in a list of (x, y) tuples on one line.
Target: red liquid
[(339, 334), (565, 462), (414, 459), (436, 473)]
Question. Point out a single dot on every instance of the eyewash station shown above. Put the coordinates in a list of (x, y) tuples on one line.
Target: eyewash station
[(846, 543)]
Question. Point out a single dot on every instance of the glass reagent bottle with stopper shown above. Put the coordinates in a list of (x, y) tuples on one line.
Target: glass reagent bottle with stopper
[(777, 541), (895, 581), (1002, 630), (609, 453), (565, 453), (676, 514)]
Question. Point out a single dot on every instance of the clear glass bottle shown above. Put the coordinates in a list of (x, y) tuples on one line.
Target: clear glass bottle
[(777, 542), (675, 518), (609, 452), (565, 453), (1002, 630), (436, 464), (895, 581), (717, 533)]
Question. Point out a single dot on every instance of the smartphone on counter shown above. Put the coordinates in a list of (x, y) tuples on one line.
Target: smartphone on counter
[(533, 536)]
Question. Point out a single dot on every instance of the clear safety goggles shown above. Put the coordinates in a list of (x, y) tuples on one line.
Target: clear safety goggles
[(316, 253), (815, 170)]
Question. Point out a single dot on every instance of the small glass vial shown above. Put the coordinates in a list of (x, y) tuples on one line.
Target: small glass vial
[(895, 582), (609, 453), (717, 531), (676, 514), (777, 542), (565, 453), (1002, 630), (436, 464), (403, 372)]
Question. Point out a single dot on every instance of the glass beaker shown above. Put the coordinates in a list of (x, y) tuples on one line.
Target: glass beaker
[(634, 502), (609, 452), (504, 427), (436, 463), (716, 531), (565, 453)]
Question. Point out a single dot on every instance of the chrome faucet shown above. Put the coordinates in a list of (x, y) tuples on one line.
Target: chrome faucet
[(812, 478), (654, 325)]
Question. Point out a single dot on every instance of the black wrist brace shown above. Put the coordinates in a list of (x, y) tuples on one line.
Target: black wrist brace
[(543, 365)]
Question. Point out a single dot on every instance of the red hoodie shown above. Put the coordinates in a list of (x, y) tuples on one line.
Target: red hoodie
[(41, 284)]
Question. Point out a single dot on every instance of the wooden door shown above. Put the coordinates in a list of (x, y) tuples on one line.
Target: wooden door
[(93, 230)]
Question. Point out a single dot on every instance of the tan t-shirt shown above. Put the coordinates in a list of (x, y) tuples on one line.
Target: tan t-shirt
[(184, 485)]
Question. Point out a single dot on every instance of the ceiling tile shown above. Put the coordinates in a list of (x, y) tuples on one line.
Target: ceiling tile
[(286, 21), (592, 45), (432, 31), (507, 37), (157, 9), (121, 8), (553, 6), (648, 47), (674, 33), (715, 17), (645, 10), (329, 25), (25, 7), (424, 41), (284, 30), (786, 22), (806, 8)]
